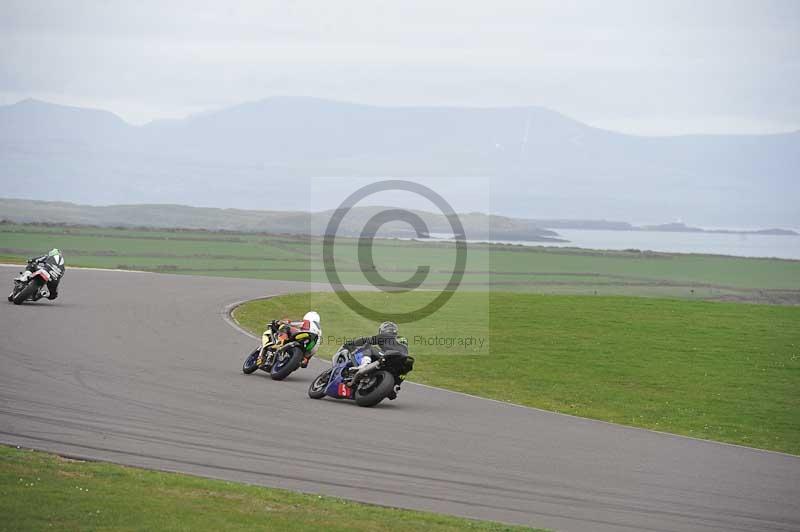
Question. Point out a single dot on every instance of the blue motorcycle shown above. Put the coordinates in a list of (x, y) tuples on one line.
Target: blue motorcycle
[(368, 385)]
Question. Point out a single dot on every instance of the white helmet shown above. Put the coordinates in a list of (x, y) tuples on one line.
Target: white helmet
[(313, 319)]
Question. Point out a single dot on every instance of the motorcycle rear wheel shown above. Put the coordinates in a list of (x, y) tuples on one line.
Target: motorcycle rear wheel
[(376, 392), (282, 370)]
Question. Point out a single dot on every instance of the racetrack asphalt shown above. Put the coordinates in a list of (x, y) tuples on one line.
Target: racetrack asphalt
[(142, 369)]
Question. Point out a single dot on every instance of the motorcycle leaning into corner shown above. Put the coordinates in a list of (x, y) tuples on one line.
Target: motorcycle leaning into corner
[(284, 348), (368, 385), (39, 279)]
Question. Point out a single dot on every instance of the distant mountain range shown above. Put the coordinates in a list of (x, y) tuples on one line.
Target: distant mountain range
[(477, 226), (522, 162)]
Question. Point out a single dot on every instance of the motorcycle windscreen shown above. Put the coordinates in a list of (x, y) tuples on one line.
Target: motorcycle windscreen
[(360, 353)]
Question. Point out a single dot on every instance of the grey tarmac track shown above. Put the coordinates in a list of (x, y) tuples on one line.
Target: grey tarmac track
[(142, 369)]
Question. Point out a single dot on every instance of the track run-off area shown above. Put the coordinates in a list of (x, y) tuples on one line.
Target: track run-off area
[(144, 369)]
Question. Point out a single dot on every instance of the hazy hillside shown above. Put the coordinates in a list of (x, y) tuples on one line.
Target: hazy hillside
[(477, 226), (527, 162)]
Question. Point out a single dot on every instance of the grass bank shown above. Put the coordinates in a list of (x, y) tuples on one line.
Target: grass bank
[(722, 371), (40, 491)]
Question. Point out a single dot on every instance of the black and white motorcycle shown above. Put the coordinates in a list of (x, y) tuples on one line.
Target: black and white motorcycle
[(35, 281)]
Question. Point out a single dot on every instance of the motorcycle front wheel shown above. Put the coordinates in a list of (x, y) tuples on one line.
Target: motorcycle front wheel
[(317, 388), (249, 365), (30, 289)]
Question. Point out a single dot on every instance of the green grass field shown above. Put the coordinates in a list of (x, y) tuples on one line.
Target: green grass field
[(722, 371), (497, 267), (39, 491)]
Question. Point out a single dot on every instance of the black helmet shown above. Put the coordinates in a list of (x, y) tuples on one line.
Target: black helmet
[(388, 327)]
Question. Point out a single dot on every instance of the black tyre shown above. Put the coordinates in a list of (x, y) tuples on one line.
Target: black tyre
[(317, 388), (286, 363), (30, 289), (374, 390), (249, 365)]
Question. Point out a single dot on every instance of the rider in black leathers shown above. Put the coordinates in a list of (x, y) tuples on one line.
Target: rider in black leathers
[(386, 340), (53, 263)]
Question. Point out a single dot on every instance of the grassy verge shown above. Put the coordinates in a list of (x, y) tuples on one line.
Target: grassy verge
[(39, 491), (722, 371), (503, 267)]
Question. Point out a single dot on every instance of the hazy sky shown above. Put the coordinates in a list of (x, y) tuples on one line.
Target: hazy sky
[(643, 67)]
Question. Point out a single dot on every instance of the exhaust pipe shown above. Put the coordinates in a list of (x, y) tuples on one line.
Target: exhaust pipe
[(363, 371)]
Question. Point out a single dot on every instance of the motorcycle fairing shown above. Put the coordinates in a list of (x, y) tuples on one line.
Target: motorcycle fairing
[(336, 386), (27, 275), (336, 383)]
